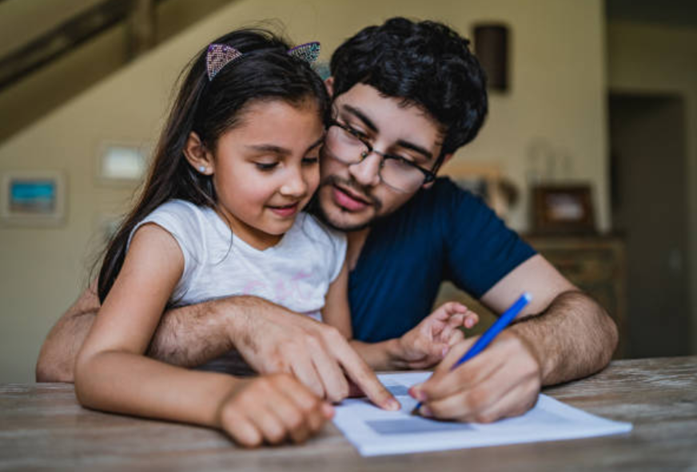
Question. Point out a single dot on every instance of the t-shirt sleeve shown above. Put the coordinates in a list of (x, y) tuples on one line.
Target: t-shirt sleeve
[(182, 221), (480, 248)]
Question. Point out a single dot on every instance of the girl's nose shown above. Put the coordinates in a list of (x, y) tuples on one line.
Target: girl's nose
[(294, 184)]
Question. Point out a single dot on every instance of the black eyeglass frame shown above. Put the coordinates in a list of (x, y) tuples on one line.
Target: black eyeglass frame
[(429, 175)]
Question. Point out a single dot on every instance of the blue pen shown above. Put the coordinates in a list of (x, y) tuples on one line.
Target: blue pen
[(489, 335)]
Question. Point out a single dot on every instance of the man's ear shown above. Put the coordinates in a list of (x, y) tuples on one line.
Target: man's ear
[(329, 83), (198, 155), (446, 158)]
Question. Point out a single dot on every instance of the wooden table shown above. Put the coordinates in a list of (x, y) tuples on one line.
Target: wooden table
[(43, 427)]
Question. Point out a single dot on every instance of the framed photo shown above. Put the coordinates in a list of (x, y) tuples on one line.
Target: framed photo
[(32, 197), (563, 209), (121, 163), (483, 180)]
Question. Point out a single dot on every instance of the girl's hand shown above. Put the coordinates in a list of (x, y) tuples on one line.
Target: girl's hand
[(429, 342), (272, 409)]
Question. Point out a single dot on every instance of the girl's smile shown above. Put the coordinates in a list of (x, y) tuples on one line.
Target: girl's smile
[(287, 211)]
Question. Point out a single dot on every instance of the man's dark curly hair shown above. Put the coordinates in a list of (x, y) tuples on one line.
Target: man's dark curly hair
[(427, 64)]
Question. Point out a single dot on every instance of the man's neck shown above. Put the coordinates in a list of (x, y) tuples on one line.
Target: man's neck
[(356, 240)]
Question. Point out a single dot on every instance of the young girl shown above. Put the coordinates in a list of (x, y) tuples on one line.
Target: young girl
[(220, 216)]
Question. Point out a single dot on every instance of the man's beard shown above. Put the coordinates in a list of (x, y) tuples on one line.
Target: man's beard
[(317, 209)]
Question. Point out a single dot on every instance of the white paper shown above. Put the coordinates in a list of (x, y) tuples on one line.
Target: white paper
[(376, 432)]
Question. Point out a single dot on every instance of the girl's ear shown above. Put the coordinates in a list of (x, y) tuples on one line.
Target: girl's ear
[(198, 155), (329, 83)]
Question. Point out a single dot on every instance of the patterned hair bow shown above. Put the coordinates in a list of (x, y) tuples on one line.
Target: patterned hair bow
[(308, 52), (220, 55)]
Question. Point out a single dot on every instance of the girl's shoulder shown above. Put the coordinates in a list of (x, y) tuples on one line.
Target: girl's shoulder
[(186, 221), (178, 209), (183, 214)]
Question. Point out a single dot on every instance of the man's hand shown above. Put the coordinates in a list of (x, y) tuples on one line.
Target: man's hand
[(273, 339), (504, 380), (429, 342)]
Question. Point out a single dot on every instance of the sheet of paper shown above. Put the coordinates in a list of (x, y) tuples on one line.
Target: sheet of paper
[(376, 432)]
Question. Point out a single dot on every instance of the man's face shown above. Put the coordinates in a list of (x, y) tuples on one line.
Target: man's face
[(351, 197)]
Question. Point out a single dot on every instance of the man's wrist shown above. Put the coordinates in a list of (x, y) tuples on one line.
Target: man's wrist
[(231, 315), (519, 332)]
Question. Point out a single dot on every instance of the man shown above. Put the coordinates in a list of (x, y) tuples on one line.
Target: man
[(407, 96)]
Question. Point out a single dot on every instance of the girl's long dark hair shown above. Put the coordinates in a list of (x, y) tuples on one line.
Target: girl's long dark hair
[(264, 72)]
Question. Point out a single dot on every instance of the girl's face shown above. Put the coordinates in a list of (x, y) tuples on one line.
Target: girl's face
[(266, 169)]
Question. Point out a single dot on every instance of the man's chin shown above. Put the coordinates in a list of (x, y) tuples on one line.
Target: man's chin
[(342, 220)]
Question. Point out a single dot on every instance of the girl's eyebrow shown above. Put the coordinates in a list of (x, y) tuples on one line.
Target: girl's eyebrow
[(281, 151), (270, 148), (315, 144)]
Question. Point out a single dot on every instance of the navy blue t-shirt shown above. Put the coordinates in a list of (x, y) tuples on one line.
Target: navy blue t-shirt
[(442, 233)]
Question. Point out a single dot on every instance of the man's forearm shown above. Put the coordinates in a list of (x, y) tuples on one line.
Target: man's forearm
[(56, 360), (192, 335), (573, 338), (187, 336)]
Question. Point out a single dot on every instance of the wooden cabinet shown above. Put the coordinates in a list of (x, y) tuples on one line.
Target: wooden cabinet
[(595, 264)]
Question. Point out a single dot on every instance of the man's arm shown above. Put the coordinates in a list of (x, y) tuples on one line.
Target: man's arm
[(562, 335), (187, 336), (569, 333), (270, 338)]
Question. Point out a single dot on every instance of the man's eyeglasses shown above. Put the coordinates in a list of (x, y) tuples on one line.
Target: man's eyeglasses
[(347, 145)]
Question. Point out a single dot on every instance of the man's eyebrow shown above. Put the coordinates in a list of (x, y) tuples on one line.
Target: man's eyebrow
[(415, 148), (401, 143), (361, 116)]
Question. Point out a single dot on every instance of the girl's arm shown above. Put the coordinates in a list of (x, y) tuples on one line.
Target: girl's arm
[(336, 312), (113, 374), (422, 347)]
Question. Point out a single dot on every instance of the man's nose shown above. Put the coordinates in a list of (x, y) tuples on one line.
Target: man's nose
[(367, 172)]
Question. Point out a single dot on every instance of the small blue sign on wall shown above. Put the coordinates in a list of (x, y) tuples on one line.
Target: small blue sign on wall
[(37, 197), (32, 197)]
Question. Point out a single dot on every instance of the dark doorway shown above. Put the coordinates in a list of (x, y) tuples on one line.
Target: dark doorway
[(648, 178)]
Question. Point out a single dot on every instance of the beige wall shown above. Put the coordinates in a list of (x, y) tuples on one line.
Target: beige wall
[(558, 94), (44, 15), (651, 59)]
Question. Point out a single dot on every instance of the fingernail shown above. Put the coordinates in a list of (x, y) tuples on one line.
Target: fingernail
[(417, 393), (425, 411), (444, 352), (393, 405), (327, 410)]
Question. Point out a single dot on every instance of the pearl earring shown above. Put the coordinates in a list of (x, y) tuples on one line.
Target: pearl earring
[(202, 169)]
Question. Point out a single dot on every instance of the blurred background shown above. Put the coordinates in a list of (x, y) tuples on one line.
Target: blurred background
[(590, 148)]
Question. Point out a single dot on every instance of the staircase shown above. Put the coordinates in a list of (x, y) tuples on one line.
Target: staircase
[(52, 50)]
